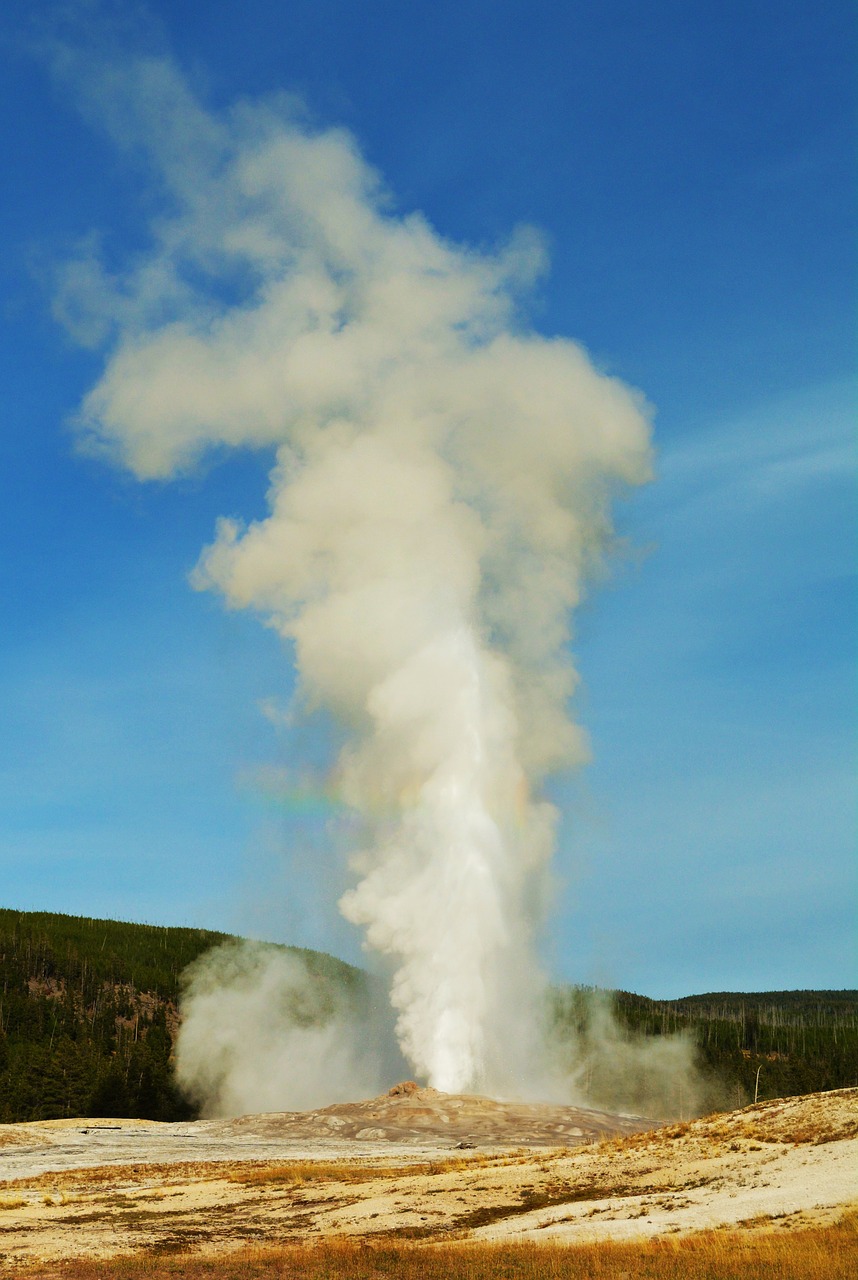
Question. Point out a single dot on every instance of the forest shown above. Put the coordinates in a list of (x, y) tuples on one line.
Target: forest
[(89, 1011), (89, 1014), (746, 1045)]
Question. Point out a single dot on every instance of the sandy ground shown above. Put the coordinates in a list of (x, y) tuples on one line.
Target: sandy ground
[(404, 1166)]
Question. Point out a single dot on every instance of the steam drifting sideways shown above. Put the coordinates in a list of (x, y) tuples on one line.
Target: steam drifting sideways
[(440, 494)]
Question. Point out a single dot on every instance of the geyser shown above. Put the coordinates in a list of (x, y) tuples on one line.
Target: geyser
[(440, 493)]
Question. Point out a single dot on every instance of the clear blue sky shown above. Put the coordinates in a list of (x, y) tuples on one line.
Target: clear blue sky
[(691, 166)]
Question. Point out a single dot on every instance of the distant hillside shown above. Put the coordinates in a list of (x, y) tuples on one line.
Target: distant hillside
[(89, 1012), (800, 1041)]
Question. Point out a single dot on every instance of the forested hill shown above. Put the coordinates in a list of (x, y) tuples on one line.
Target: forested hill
[(89, 1012), (776, 1007), (781, 1043)]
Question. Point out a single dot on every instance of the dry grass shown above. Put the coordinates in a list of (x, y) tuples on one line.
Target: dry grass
[(255, 1172), (9, 1138), (782, 1121), (799, 1134), (117, 1174), (803, 1253), (300, 1172), (12, 1202)]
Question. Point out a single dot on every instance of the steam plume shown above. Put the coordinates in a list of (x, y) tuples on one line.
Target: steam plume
[(440, 493), (262, 1030)]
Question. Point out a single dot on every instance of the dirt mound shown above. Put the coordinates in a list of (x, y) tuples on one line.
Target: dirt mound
[(404, 1090), (408, 1113)]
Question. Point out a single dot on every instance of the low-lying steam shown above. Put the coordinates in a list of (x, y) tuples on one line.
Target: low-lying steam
[(256, 1019), (440, 493)]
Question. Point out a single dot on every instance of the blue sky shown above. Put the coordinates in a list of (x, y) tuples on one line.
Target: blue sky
[(690, 166)]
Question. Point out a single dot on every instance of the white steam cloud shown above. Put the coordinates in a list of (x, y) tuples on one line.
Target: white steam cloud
[(262, 1028), (441, 491)]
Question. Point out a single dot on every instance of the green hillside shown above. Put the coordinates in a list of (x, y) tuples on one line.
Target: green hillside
[(801, 1041), (776, 1043), (89, 1012)]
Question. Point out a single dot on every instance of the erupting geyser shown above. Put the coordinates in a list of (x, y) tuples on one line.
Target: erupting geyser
[(441, 490)]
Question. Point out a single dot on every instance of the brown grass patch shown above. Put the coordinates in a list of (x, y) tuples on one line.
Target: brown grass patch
[(12, 1202), (784, 1121), (298, 1172), (116, 1174), (9, 1138), (803, 1253), (816, 1131), (256, 1172)]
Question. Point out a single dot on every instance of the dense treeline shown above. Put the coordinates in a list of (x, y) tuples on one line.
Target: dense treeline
[(89, 1013), (773, 1043)]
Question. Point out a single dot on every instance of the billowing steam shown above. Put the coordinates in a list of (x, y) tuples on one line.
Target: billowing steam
[(262, 1027), (440, 493)]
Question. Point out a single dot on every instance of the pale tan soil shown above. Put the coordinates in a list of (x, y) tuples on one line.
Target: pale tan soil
[(218, 1185)]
